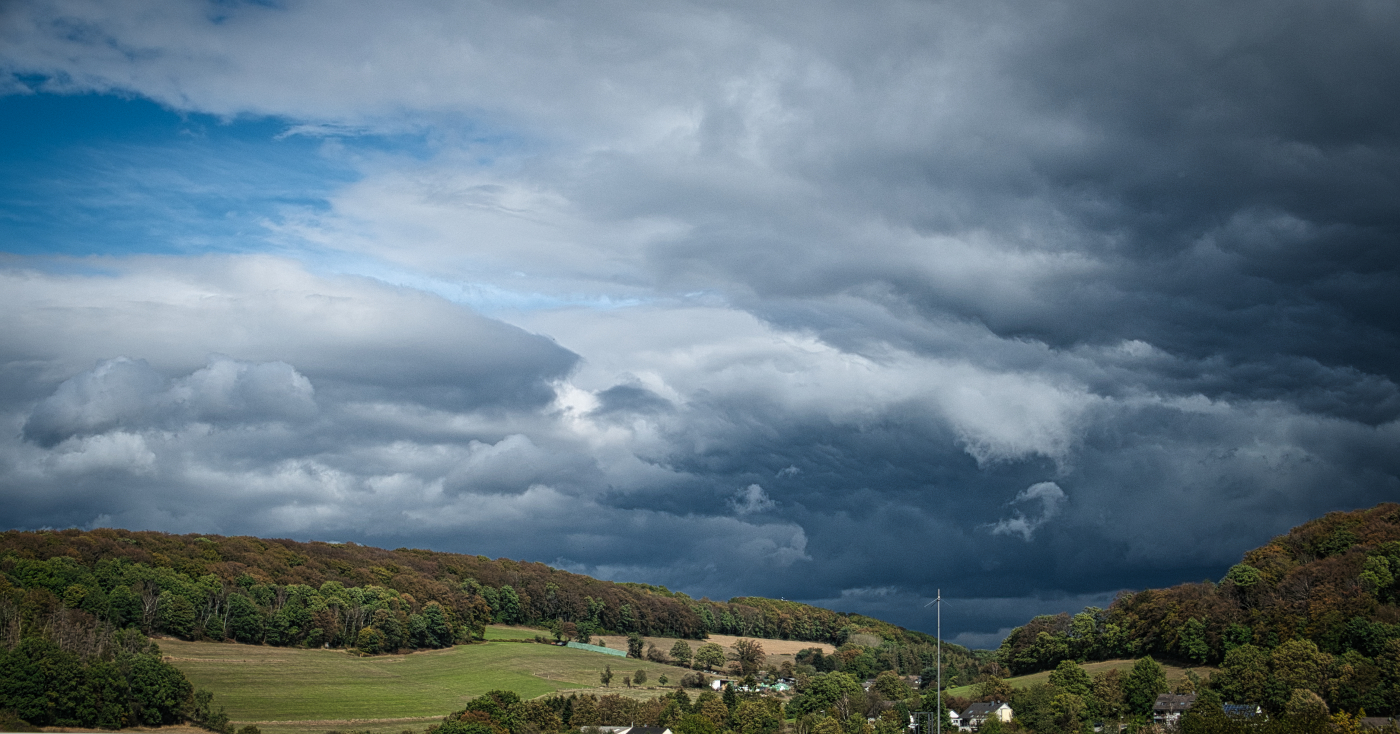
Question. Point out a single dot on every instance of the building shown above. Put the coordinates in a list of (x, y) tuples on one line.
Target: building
[(629, 729), (978, 713), (1242, 710), (1170, 706)]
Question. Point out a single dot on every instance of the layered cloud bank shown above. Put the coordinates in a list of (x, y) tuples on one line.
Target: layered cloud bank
[(1028, 302)]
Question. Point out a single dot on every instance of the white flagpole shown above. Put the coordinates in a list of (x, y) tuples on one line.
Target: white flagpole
[(937, 603)]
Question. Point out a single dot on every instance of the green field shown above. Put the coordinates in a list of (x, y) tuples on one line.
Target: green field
[(504, 632), (1174, 674), (286, 690)]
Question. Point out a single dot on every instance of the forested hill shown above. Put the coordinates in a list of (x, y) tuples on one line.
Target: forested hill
[(287, 592), (1327, 592)]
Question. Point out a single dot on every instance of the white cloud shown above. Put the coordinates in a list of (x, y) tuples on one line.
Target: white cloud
[(750, 500), (128, 393), (1050, 498), (118, 451)]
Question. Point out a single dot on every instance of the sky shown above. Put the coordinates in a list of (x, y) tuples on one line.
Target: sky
[(1030, 302)]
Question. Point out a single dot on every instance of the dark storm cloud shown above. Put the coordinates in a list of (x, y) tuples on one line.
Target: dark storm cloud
[(630, 399), (1230, 172), (1027, 302)]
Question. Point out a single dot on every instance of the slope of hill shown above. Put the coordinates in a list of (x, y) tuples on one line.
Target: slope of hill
[(1174, 675), (1321, 599), (286, 592), (285, 690)]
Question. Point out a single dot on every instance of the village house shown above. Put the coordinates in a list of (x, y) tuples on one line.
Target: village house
[(1170, 706), (978, 713)]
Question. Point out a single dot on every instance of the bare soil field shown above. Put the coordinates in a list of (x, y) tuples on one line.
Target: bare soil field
[(776, 650)]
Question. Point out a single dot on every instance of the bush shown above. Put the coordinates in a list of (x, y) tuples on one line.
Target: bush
[(695, 679), (11, 722)]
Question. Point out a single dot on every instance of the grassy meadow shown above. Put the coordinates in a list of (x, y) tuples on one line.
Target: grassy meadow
[(299, 691), (1174, 674)]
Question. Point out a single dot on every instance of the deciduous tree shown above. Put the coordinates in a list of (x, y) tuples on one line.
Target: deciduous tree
[(1144, 683), (709, 655), (680, 652)]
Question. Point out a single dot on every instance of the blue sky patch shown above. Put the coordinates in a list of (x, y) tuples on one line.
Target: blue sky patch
[(104, 175)]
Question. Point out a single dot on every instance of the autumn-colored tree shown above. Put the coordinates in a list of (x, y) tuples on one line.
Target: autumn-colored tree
[(759, 716), (715, 711), (750, 655), (370, 641), (1106, 699), (617, 710), (1303, 703), (992, 689)]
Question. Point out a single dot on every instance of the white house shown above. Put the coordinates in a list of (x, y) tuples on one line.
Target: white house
[(978, 713)]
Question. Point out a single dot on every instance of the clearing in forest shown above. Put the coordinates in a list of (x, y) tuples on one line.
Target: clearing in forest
[(297, 691)]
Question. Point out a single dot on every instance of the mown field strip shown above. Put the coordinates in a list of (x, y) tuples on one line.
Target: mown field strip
[(274, 684)]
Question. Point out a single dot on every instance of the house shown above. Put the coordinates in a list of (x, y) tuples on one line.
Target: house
[(978, 713), (630, 729), (1170, 706), (718, 684), (1241, 710)]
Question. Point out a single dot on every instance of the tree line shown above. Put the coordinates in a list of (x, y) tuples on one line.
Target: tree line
[(283, 592), (828, 703), (1072, 701), (63, 667), (1315, 609)]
